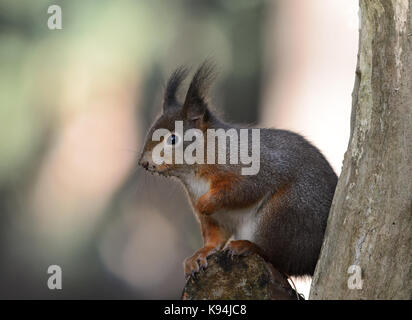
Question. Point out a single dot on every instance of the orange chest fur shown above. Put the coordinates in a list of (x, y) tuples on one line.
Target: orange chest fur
[(205, 190)]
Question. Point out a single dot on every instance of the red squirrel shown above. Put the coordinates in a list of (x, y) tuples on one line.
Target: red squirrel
[(280, 212)]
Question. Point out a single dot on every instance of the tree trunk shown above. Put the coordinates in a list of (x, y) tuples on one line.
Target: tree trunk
[(370, 223)]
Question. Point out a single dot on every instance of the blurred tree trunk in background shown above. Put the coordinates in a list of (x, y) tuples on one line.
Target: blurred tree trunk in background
[(370, 223)]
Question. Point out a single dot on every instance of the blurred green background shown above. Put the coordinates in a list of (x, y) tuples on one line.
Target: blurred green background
[(75, 105)]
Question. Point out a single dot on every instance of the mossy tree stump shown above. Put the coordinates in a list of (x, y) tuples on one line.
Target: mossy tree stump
[(240, 278)]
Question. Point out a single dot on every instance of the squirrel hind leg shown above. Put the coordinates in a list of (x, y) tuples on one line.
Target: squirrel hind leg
[(288, 237)]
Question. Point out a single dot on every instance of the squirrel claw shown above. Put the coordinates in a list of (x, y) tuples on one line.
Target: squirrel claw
[(197, 262), (228, 252)]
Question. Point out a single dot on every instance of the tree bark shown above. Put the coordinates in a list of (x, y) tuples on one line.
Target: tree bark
[(370, 222)]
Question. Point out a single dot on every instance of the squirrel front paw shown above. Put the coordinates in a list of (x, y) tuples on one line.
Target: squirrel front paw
[(197, 261), (241, 248)]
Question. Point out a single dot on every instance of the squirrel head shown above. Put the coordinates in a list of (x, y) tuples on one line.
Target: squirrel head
[(193, 113)]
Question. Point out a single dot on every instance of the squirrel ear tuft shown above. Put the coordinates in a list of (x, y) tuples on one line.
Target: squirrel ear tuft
[(195, 105), (172, 86)]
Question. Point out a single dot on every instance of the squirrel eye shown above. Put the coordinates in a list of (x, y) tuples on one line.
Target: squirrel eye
[(172, 139)]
